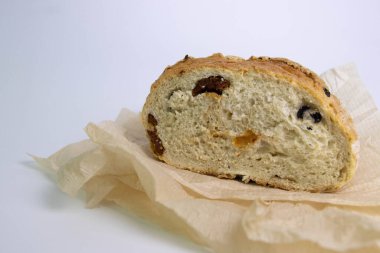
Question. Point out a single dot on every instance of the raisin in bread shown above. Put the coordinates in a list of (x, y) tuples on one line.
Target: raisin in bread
[(267, 120)]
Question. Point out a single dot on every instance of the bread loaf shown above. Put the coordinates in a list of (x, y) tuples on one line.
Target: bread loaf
[(266, 120)]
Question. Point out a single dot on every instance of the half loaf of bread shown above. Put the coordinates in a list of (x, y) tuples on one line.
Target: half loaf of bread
[(266, 120)]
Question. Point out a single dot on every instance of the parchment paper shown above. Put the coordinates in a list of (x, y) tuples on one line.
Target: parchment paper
[(116, 165)]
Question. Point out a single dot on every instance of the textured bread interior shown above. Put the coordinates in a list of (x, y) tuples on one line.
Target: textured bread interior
[(251, 131)]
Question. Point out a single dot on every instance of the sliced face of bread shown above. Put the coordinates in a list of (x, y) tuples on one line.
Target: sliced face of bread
[(267, 120)]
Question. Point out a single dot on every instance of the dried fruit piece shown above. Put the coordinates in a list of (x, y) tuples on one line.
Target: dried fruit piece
[(215, 84), (316, 116), (327, 92), (302, 110), (156, 142), (152, 120), (248, 137)]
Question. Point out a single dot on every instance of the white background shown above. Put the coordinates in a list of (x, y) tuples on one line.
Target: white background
[(65, 63)]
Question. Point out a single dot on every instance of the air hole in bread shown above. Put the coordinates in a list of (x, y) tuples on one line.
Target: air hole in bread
[(213, 84), (172, 93), (286, 178), (228, 114), (274, 154)]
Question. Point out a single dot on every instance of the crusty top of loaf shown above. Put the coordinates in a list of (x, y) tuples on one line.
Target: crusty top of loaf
[(279, 68)]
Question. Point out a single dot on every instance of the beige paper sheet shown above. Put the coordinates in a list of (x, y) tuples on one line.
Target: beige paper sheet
[(116, 164)]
